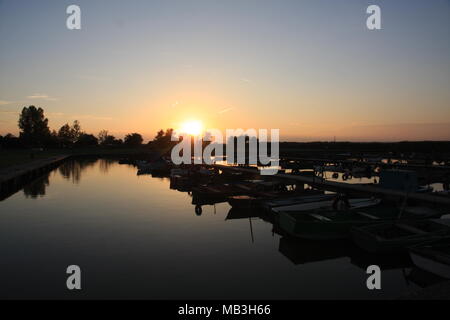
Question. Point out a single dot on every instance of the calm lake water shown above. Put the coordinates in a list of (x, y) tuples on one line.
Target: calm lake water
[(134, 237)]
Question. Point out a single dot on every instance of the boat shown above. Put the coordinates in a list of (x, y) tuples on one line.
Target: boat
[(205, 172), (433, 257), (313, 205), (157, 166), (271, 199), (213, 193), (324, 222), (397, 236), (328, 223), (443, 193), (244, 201), (241, 213), (126, 161), (424, 189), (177, 172), (268, 205)]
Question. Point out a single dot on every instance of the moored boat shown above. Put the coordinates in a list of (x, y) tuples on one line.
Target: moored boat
[(433, 257), (243, 201), (398, 235), (295, 200), (313, 205), (326, 223), (178, 172)]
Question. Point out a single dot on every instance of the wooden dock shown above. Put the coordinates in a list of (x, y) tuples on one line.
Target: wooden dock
[(323, 184), (371, 163), (12, 179)]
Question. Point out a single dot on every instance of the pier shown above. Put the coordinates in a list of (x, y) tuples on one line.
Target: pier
[(320, 183)]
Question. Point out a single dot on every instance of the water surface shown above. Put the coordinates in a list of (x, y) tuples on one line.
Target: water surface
[(134, 237)]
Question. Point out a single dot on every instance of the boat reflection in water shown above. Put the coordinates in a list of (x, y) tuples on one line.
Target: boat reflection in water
[(175, 237), (306, 218), (422, 265)]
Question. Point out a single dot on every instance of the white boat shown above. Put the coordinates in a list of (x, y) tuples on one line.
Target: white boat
[(354, 204), (275, 203)]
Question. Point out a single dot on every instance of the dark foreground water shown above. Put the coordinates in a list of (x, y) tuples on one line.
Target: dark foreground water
[(133, 237)]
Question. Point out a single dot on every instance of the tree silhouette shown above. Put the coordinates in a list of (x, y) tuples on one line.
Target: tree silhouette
[(34, 126), (70, 134), (76, 130), (102, 136), (133, 139), (87, 140), (10, 141), (163, 139), (65, 135)]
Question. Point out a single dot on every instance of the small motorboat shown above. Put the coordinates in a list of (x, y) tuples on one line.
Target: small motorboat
[(243, 201), (324, 223), (157, 166), (424, 189), (177, 172), (398, 235), (126, 161), (313, 205), (241, 213), (433, 257), (319, 222), (295, 200)]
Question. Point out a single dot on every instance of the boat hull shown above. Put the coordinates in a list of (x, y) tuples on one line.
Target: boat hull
[(399, 236), (438, 268), (319, 230)]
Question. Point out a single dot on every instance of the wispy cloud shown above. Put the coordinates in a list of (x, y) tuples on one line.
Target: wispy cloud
[(4, 102), (38, 96), (9, 112), (246, 80), (42, 96), (225, 110)]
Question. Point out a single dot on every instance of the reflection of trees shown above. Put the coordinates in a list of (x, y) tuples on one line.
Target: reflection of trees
[(104, 165), (72, 169), (37, 188)]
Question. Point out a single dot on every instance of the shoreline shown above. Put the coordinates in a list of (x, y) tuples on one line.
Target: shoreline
[(14, 177)]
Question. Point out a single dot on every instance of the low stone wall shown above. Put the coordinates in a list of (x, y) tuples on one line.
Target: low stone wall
[(14, 178)]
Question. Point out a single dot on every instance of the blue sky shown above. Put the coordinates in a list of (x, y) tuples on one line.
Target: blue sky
[(310, 68)]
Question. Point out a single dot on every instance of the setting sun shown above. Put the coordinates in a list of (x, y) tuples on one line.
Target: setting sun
[(193, 127)]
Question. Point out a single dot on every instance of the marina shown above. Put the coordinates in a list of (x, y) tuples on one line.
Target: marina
[(225, 159), (245, 209)]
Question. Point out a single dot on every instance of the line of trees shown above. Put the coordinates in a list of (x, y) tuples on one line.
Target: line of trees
[(35, 132)]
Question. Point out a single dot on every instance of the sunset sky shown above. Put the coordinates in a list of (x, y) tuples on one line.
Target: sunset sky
[(310, 68)]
